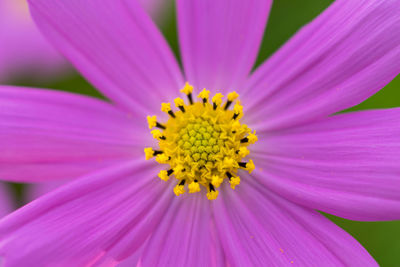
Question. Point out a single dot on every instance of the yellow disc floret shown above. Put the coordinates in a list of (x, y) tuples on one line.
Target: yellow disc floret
[(203, 143)]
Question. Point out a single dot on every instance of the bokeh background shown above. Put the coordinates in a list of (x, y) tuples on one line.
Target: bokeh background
[(381, 239)]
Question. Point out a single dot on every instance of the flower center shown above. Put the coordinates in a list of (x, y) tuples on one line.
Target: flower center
[(203, 143)]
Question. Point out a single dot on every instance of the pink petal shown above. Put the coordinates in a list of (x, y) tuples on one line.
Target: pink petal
[(102, 217), (257, 227), (220, 40), (53, 135), (116, 46), (36, 190), (23, 49), (347, 165), (6, 205), (185, 236), (347, 54)]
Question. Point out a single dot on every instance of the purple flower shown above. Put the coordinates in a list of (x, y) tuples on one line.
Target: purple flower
[(306, 158), (23, 49)]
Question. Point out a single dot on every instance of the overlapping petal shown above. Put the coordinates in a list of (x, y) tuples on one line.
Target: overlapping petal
[(116, 46), (54, 135), (102, 217), (344, 56), (185, 236), (256, 227), (347, 165), (219, 40)]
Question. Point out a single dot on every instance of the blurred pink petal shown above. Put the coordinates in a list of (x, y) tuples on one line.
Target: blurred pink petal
[(158, 9), (6, 205), (23, 49)]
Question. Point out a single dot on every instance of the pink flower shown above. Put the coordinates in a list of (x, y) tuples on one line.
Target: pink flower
[(306, 158), (23, 50)]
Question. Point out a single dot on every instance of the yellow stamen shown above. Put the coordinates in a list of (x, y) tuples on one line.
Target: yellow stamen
[(204, 145), (243, 151), (157, 134), (250, 166), (217, 180), (238, 111), (163, 174), (217, 99), (162, 159), (236, 126), (149, 152), (252, 137), (194, 187), (212, 195), (232, 96), (179, 189), (229, 163), (165, 107), (179, 102), (204, 94), (235, 181), (187, 89), (152, 121)]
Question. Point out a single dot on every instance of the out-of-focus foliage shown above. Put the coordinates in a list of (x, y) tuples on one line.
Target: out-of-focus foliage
[(381, 239)]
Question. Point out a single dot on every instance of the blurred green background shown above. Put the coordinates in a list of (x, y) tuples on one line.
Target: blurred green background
[(381, 239)]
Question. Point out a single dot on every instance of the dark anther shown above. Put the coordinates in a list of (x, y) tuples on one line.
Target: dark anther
[(214, 106), (235, 116), (157, 152), (204, 101), (229, 175), (182, 182), (228, 103), (190, 98), (170, 171), (243, 164), (244, 140), (233, 132), (211, 187), (171, 113), (159, 125), (182, 108), (237, 151), (163, 138), (195, 180)]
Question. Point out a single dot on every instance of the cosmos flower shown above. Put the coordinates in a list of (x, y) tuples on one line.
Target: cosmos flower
[(23, 49), (302, 156)]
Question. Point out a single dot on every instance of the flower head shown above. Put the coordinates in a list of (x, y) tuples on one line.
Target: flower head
[(202, 142), (306, 158)]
